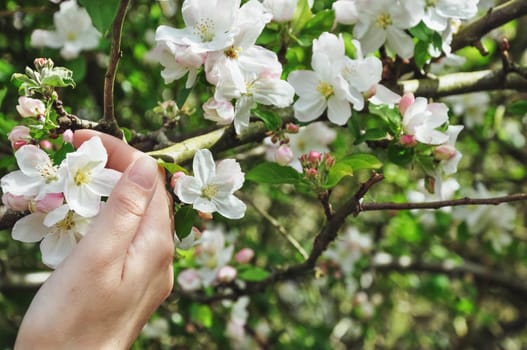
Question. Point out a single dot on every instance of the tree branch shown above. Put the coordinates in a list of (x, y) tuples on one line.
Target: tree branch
[(109, 122), (461, 83), (440, 204), (496, 17)]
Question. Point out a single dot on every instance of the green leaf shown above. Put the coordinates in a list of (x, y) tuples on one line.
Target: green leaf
[(421, 32), (252, 274), (271, 120), (184, 220), (421, 54), (346, 167), (400, 155), (3, 92), (60, 155), (272, 173), (102, 12), (322, 21), (172, 167), (302, 15), (182, 97), (518, 108), (201, 314)]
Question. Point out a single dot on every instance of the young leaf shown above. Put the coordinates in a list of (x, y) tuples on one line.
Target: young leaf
[(271, 120), (102, 12), (252, 274), (184, 220), (272, 173), (60, 155), (346, 167), (172, 167), (201, 314)]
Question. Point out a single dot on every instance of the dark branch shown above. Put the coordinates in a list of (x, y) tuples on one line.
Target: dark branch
[(440, 204), (471, 34)]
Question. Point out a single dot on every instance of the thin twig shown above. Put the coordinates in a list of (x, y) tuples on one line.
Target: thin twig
[(440, 204), (281, 229)]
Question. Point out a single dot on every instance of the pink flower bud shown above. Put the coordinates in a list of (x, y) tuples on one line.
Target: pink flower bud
[(45, 144), (175, 177), (189, 280), (40, 63), (18, 203), (67, 136), (283, 155), (50, 202), (226, 274), (408, 140), (30, 107), (244, 255), (444, 152), (406, 101), (329, 160), (19, 136), (311, 173), (222, 112), (205, 216), (314, 157), (292, 128)]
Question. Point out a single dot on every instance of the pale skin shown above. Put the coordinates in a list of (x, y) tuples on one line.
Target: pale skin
[(102, 295)]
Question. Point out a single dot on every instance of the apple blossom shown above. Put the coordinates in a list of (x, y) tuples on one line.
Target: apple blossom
[(226, 274), (30, 107), (74, 31), (37, 175), (283, 155), (450, 161), (222, 112), (438, 12), (189, 280), (213, 185), (244, 256), (282, 10), (19, 136), (421, 120), (59, 230), (212, 254), (17, 203), (67, 136), (86, 178)]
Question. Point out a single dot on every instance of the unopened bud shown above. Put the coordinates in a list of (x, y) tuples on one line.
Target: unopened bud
[(30, 107), (311, 173), (329, 160), (408, 140), (226, 274), (244, 256), (175, 177), (314, 157), (67, 136), (283, 155), (19, 136), (40, 63), (18, 203), (189, 280), (205, 216), (45, 144), (292, 128), (444, 152), (406, 101), (50, 202)]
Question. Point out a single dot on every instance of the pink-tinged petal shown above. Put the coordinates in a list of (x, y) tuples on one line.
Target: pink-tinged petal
[(103, 182), (400, 42), (81, 200), (439, 112), (339, 111), (229, 171), (430, 136), (231, 207), (453, 132), (308, 109), (19, 184), (188, 189), (450, 166), (205, 205), (30, 228), (203, 165), (56, 247)]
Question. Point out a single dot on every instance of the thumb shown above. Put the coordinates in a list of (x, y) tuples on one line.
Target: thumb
[(121, 217)]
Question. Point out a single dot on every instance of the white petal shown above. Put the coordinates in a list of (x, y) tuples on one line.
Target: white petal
[(56, 215), (228, 170), (372, 39), (19, 184), (231, 207), (205, 205), (30, 228), (274, 92), (81, 200), (56, 247), (188, 189), (400, 42), (308, 109), (339, 111), (103, 182), (203, 165), (304, 82)]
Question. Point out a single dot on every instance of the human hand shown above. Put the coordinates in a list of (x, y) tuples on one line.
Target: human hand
[(104, 292)]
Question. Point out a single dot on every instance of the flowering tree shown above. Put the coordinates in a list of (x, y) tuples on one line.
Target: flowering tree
[(345, 174)]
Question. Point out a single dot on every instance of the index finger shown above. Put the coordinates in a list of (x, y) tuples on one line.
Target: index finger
[(120, 155)]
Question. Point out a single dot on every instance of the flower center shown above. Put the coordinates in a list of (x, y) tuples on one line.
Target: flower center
[(67, 223), (71, 36), (325, 89), (384, 20), (431, 3), (209, 191), (81, 177), (232, 52), (48, 172), (205, 30)]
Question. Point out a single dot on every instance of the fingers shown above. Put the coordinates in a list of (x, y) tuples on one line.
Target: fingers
[(120, 219), (120, 155)]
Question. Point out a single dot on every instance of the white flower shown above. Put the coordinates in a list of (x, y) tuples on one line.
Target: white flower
[(86, 178), (212, 254), (325, 86), (449, 165), (37, 175), (74, 31), (348, 248), (30, 107), (381, 22), (189, 280), (438, 12), (222, 112), (59, 230), (212, 187), (472, 107), (421, 120), (282, 10)]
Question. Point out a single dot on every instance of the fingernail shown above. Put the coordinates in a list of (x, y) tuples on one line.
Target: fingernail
[(144, 172)]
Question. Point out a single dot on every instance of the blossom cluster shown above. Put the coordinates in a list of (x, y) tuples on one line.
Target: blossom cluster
[(220, 37), (63, 198)]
